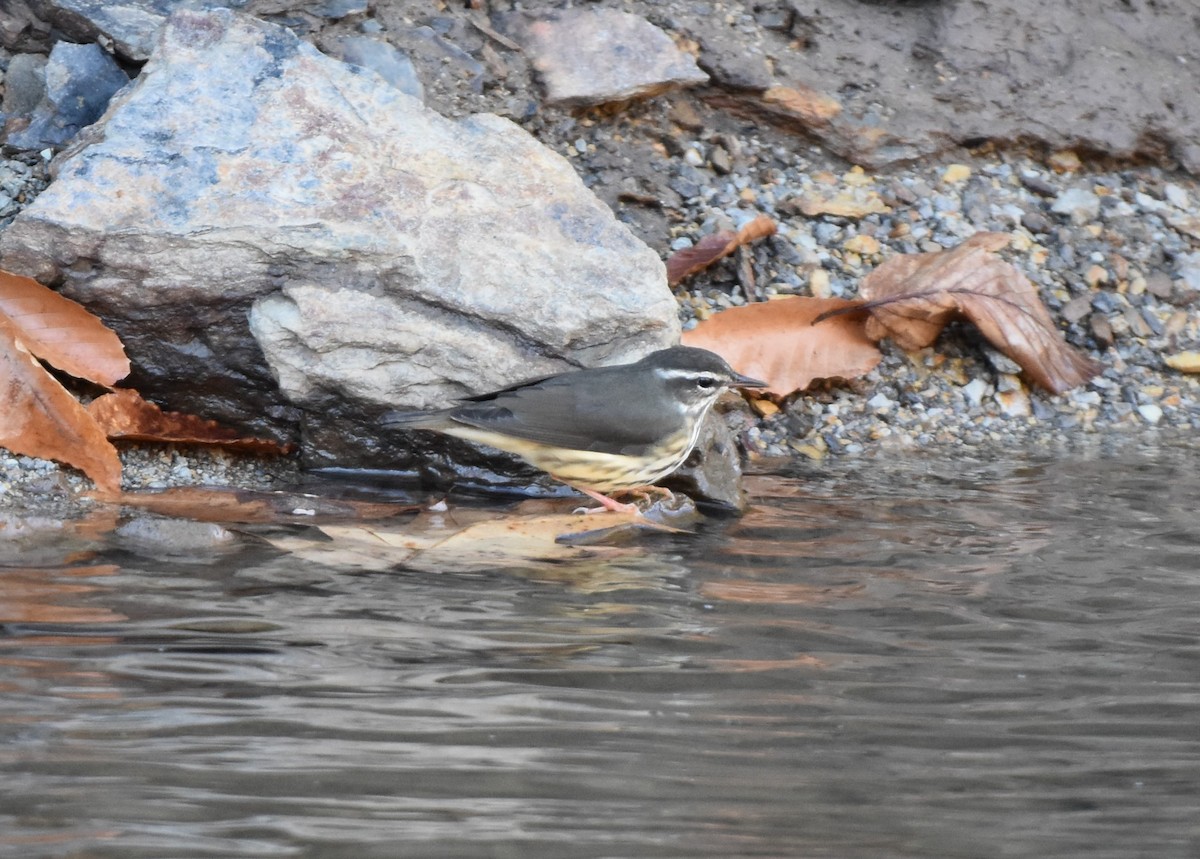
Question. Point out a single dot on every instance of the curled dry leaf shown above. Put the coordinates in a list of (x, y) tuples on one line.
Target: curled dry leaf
[(778, 342), (911, 298), (61, 332), (711, 248), (125, 415), (39, 418)]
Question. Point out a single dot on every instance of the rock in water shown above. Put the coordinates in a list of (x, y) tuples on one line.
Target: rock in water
[(288, 244)]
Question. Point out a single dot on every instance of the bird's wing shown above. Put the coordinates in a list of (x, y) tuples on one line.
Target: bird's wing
[(567, 411)]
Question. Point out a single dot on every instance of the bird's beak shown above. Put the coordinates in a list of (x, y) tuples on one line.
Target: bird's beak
[(740, 381)]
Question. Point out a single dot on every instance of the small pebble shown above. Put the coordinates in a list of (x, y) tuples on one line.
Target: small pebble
[(1151, 413)]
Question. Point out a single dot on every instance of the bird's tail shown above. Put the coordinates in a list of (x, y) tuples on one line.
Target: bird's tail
[(412, 420)]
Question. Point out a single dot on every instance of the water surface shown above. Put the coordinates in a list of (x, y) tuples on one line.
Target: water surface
[(905, 659)]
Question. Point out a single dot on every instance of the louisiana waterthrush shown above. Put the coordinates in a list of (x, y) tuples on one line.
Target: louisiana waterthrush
[(599, 430)]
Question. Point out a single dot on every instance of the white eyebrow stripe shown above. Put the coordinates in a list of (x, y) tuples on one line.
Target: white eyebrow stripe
[(685, 374)]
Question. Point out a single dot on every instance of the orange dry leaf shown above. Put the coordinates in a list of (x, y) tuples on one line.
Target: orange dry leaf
[(911, 298), (61, 332), (39, 418), (777, 341), (125, 415), (711, 248)]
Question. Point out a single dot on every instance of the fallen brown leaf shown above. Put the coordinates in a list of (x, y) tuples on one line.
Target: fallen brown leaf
[(61, 332), (777, 342), (911, 298), (709, 249), (39, 418), (125, 415)]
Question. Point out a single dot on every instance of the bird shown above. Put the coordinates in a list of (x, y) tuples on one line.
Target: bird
[(600, 430)]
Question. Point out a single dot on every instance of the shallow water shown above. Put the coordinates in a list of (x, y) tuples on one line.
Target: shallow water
[(914, 659)]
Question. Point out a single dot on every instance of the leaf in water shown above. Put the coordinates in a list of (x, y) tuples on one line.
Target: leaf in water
[(468, 540), (125, 415), (911, 298), (709, 249), (776, 341), (61, 332), (39, 418), (228, 504)]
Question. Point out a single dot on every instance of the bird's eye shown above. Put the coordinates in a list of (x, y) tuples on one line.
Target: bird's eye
[(706, 382)]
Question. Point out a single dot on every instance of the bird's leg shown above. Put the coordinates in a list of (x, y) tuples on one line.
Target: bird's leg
[(649, 492), (608, 503)]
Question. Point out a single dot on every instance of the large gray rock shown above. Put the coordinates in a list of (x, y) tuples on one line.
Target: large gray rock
[(290, 245)]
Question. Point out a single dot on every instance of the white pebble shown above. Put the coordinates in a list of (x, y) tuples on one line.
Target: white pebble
[(975, 390), (1151, 413), (1176, 196)]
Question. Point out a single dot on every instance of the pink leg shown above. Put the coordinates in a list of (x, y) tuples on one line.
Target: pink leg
[(609, 504)]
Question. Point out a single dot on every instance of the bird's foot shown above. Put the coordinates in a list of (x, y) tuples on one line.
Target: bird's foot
[(609, 503)]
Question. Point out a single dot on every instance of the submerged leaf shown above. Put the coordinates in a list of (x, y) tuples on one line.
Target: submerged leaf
[(230, 504)]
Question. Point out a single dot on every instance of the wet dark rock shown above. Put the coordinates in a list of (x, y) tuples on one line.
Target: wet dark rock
[(80, 80), (712, 472), (180, 540)]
